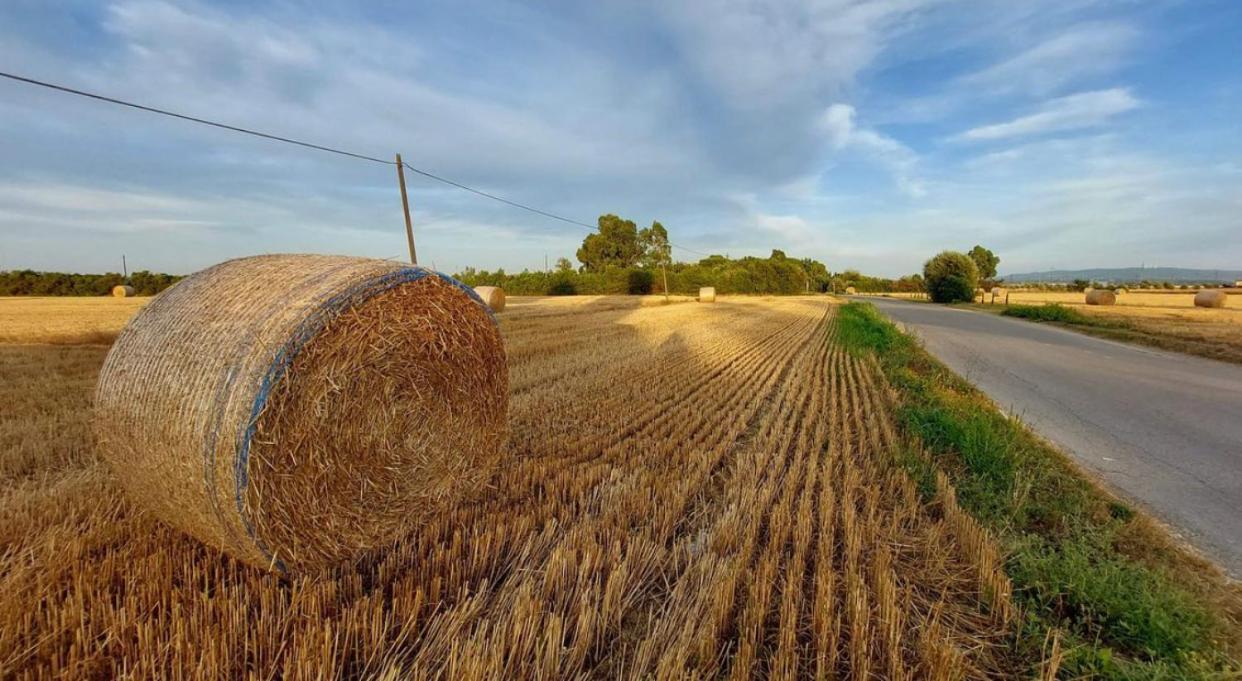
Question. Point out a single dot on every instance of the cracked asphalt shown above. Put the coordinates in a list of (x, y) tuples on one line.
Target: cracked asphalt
[(1161, 429)]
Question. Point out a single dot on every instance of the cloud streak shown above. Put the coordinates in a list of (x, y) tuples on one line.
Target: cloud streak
[(1073, 112)]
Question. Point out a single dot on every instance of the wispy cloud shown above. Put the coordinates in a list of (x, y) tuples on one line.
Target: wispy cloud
[(1077, 53), (1082, 110), (843, 133)]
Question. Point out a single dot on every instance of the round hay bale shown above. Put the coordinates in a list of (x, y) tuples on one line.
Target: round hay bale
[(1101, 296), (850, 290), (298, 410), (1211, 298), (1120, 291), (998, 291), (707, 294), (122, 291), (492, 296)]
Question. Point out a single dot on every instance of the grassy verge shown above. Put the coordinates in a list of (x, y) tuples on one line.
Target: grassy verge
[(1157, 334), (1129, 603)]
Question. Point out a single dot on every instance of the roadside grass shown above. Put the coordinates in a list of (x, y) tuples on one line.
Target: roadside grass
[(1128, 601)]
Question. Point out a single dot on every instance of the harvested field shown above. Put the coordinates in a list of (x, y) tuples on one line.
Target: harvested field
[(1164, 320), (693, 491), (65, 320)]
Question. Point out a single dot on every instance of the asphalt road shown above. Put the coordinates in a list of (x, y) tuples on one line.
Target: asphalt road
[(1161, 428)]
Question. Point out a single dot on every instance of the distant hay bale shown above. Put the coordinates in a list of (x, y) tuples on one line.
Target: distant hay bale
[(298, 410), (998, 291), (850, 290), (492, 296), (1210, 298), (1101, 296), (1120, 291), (707, 294), (122, 291)]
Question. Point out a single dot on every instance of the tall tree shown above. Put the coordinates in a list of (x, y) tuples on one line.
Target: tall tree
[(985, 260), (657, 252), (614, 245)]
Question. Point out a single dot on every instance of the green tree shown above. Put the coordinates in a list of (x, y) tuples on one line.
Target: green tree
[(985, 261), (563, 265), (951, 277), (817, 272), (614, 245), (657, 252)]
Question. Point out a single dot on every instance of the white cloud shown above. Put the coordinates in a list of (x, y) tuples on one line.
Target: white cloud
[(843, 133), (1078, 53), (1082, 110), (763, 54)]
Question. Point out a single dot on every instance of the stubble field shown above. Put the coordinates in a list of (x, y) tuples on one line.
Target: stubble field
[(693, 491), (1164, 320)]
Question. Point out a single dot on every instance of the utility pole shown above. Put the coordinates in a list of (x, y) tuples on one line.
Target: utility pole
[(405, 205), (124, 267)]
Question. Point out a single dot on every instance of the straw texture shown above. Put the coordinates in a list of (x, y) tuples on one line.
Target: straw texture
[(1210, 298), (1101, 296), (296, 410), (122, 291), (492, 296), (707, 294)]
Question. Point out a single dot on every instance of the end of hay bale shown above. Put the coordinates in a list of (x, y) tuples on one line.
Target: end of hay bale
[(492, 296), (299, 410), (1211, 298), (1101, 297), (122, 291), (707, 294), (850, 290)]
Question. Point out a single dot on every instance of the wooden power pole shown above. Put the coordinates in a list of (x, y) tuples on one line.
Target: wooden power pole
[(405, 205)]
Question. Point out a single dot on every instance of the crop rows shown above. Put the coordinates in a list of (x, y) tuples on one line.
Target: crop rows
[(692, 491)]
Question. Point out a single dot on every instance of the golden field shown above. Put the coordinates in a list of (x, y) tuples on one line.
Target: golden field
[(1146, 300), (1167, 320), (65, 320), (692, 491), (695, 491)]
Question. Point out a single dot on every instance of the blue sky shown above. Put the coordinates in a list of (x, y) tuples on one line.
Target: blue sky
[(1062, 133)]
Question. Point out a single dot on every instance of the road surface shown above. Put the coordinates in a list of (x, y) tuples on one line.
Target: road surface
[(1161, 428)]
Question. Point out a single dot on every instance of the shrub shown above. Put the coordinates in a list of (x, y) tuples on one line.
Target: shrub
[(951, 277), (1044, 313), (639, 282)]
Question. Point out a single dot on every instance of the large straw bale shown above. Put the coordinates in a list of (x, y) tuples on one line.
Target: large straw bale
[(1211, 298), (1101, 296), (297, 410), (492, 296), (122, 291), (707, 294)]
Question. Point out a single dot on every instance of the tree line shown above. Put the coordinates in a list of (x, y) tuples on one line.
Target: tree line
[(32, 283), (620, 258)]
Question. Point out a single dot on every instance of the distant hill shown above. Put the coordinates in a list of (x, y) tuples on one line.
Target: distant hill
[(1128, 274)]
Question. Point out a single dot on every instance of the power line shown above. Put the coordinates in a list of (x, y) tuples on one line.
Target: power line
[(308, 145), (193, 119)]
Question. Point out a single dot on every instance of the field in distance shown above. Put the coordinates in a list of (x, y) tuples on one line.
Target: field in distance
[(65, 320), (1167, 320)]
